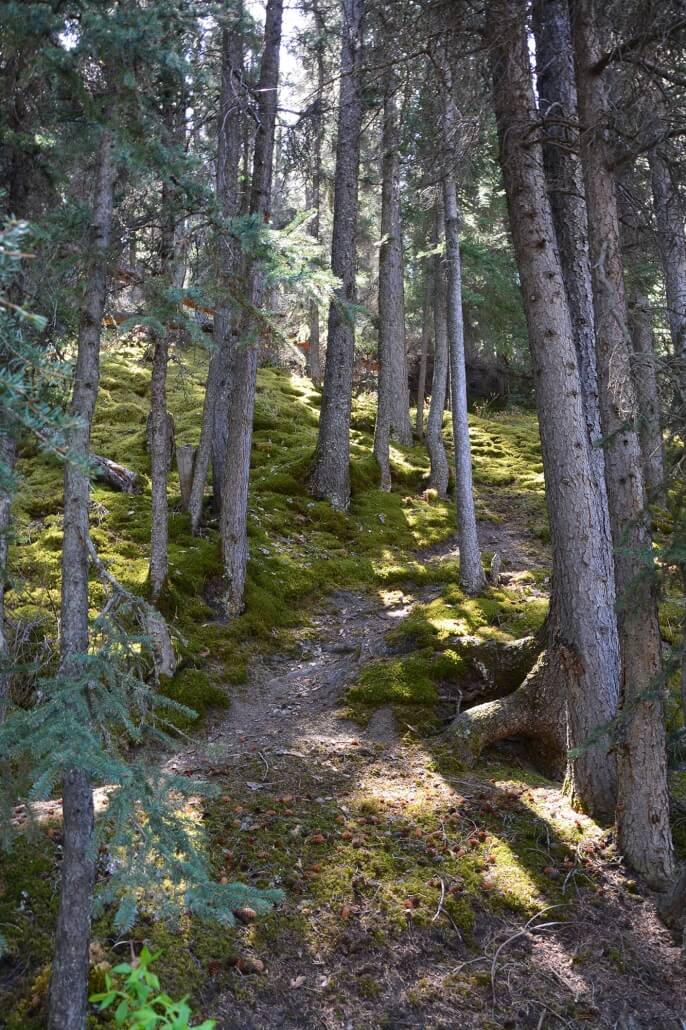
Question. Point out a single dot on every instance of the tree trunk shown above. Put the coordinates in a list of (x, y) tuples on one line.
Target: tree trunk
[(672, 908), (643, 805), (186, 456), (427, 315), (159, 460), (330, 478), (234, 515), (672, 246), (574, 687), (213, 433), (7, 456), (69, 984), (314, 366), (557, 103), (393, 413), (472, 577), (643, 366), (440, 475)]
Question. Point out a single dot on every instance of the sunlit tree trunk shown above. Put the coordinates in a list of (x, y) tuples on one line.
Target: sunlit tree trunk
[(439, 475), (643, 804), (330, 478), (69, 983), (393, 412), (236, 477), (314, 364), (574, 686)]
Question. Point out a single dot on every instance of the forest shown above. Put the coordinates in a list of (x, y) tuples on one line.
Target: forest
[(342, 514)]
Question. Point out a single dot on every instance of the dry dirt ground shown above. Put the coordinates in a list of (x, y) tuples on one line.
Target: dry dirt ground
[(363, 827)]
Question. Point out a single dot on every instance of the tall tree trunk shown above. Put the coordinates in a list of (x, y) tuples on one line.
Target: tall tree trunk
[(427, 316), (557, 102), (440, 474), (7, 456), (393, 412), (643, 366), (159, 462), (330, 478), (672, 246), (574, 686), (213, 433), (643, 804), (69, 984), (314, 365), (472, 577), (234, 515)]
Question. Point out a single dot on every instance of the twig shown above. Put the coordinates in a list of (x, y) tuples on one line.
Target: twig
[(440, 903), (528, 928)]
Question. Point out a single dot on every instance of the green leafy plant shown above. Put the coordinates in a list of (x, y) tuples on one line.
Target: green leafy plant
[(140, 1004)]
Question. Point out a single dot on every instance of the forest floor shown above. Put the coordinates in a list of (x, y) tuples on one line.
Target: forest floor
[(418, 894)]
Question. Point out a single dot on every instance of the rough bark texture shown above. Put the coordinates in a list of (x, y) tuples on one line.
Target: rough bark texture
[(672, 244), (314, 365), (69, 984), (427, 316), (574, 686), (557, 103), (186, 456), (643, 366), (213, 433), (7, 454), (393, 411), (439, 475), (642, 807), (234, 514), (672, 908), (330, 478)]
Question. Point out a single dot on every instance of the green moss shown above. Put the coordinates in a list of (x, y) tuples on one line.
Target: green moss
[(194, 689)]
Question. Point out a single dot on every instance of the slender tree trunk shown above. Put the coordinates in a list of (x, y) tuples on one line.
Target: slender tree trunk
[(574, 687), (393, 412), (330, 478), (645, 381), (643, 804), (159, 461), (234, 515), (472, 577), (427, 316), (314, 365), (7, 456), (557, 102), (69, 984), (440, 474), (213, 433), (672, 245)]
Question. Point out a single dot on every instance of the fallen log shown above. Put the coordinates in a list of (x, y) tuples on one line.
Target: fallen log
[(115, 475)]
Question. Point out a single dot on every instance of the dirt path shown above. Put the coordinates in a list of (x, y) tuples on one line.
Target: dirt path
[(338, 961)]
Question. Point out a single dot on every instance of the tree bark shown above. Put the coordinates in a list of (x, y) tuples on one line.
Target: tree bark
[(7, 456), (472, 577), (234, 514), (643, 365), (643, 805), (439, 476), (330, 478), (69, 983), (672, 246), (393, 412), (557, 103), (427, 315), (574, 686), (314, 365), (213, 433)]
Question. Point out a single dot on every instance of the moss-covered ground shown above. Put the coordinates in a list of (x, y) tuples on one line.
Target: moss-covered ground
[(403, 874)]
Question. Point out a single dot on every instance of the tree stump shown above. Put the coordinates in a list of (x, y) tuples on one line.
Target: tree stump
[(185, 463), (115, 475)]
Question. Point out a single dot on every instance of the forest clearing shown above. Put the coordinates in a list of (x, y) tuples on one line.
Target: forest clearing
[(342, 527)]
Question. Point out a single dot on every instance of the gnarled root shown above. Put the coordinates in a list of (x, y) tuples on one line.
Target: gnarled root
[(532, 711)]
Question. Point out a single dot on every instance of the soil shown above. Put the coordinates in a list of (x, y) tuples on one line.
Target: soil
[(602, 959)]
